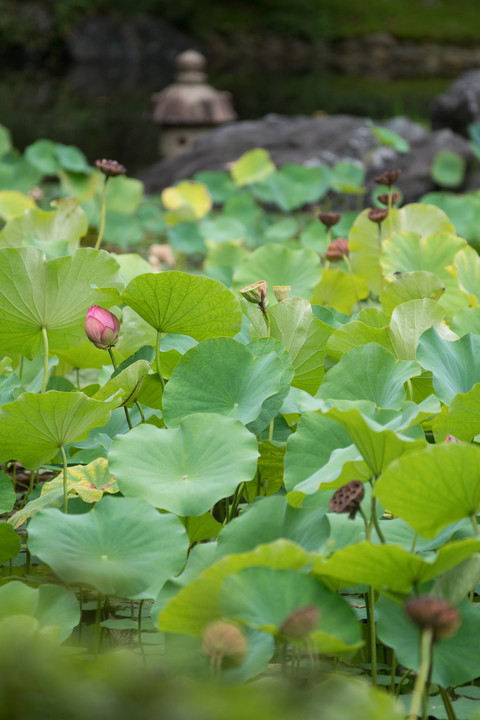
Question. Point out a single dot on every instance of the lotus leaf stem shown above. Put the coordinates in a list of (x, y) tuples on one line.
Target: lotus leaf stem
[(127, 414), (426, 640), (65, 471), (103, 215), (373, 635), (45, 361)]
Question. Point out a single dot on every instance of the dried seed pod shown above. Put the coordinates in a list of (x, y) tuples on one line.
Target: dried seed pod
[(256, 292), (337, 250), (300, 623), (110, 168), (383, 198), (329, 219), (281, 292), (347, 498), (377, 215), (387, 177), (434, 614), (224, 643)]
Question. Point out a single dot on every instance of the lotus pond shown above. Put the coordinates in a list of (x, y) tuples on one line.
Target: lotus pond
[(258, 471)]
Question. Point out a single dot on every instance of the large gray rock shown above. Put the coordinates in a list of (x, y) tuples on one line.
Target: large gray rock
[(314, 141), (460, 105)]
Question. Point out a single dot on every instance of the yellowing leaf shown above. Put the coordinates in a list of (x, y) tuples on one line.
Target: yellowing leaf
[(186, 201)]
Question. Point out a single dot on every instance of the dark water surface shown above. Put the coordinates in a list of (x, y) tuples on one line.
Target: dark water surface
[(106, 111)]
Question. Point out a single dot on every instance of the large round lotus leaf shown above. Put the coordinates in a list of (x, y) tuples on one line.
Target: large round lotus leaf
[(390, 566), (270, 518), (54, 294), (34, 427), (280, 265), (186, 201), (175, 302), (409, 251), (409, 320), (293, 186), (365, 251), (13, 204), (456, 660), (188, 468), (354, 334), (467, 264), (263, 598), (196, 605), (462, 419), (251, 167), (455, 365), (410, 286), (122, 547), (222, 376), (434, 487), (51, 605), (340, 290), (369, 372), (448, 169)]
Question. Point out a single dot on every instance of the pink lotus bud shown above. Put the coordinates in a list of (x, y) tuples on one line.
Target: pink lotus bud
[(101, 327)]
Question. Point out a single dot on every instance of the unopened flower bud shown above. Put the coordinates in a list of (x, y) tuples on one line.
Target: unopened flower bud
[(300, 623), (387, 177), (255, 293), (329, 219), (281, 292), (110, 168), (337, 250), (101, 327), (377, 215), (224, 643), (434, 614), (452, 439), (348, 498)]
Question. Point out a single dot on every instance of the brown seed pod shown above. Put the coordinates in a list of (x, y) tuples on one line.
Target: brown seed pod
[(329, 219), (434, 614), (300, 623), (110, 168), (337, 250), (347, 498), (387, 177), (377, 215), (224, 642), (383, 198)]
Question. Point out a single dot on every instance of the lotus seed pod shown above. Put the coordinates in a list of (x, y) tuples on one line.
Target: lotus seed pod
[(388, 177), (101, 327), (300, 623), (329, 219), (281, 292), (110, 168), (377, 215), (225, 643), (255, 293), (383, 198), (337, 250), (348, 498), (434, 614)]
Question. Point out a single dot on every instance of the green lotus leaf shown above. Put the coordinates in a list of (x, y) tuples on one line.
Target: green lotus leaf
[(197, 604), (293, 186), (234, 383), (13, 204), (34, 427), (253, 166), (465, 321), (269, 519), (407, 251), (175, 302), (54, 295), (467, 265), (455, 584), (354, 334), (369, 372), (390, 566), (51, 605), (42, 155), (67, 221), (448, 169), (455, 365), (263, 598), (455, 659), (364, 247), (463, 417), (280, 265), (340, 290), (128, 378), (410, 286), (9, 543), (433, 487), (186, 469), (122, 547), (388, 137), (219, 184), (7, 493), (409, 320)]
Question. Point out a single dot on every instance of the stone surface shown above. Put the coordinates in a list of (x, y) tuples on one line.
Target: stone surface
[(314, 141), (460, 105)]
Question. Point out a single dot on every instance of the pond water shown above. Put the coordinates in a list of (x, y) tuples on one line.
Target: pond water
[(106, 111)]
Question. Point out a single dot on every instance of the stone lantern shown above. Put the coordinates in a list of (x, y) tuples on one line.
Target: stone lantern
[(189, 107)]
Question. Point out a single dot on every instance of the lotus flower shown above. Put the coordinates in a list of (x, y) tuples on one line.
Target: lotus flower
[(101, 327)]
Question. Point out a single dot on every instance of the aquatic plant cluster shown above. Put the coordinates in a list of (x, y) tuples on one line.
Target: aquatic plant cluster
[(260, 470)]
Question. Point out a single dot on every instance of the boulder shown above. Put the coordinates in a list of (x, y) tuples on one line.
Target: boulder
[(460, 105), (314, 141)]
